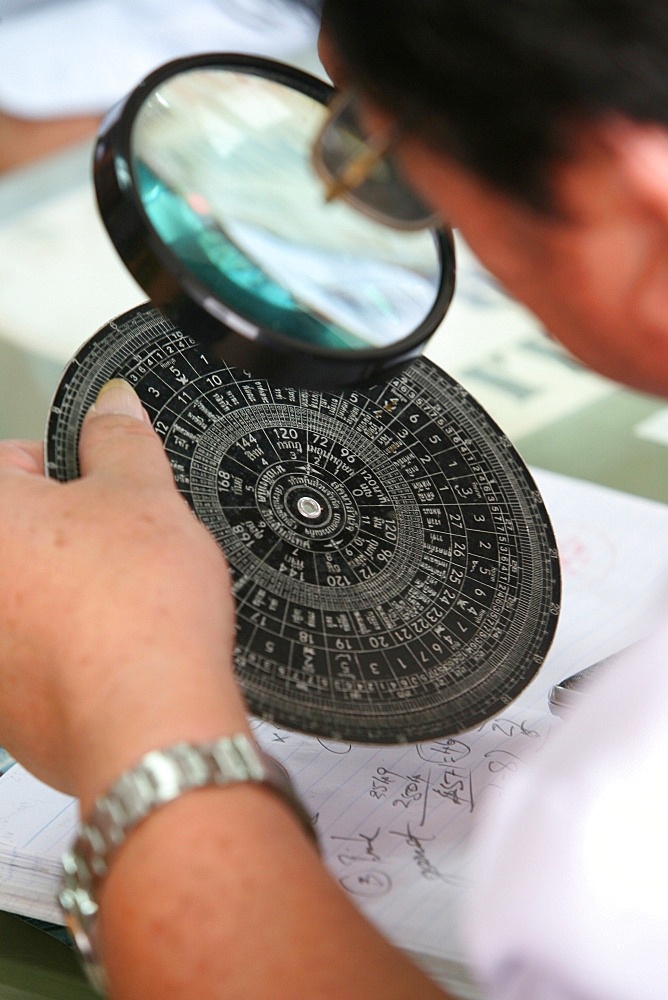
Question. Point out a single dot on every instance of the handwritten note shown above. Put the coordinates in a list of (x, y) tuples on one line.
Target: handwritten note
[(394, 822)]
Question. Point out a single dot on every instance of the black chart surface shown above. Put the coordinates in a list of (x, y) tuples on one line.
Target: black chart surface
[(395, 570)]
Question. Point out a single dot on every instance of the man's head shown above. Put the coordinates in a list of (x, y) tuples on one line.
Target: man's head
[(540, 128)]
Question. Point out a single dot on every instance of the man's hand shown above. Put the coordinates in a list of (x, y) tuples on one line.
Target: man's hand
[(116, 612), (116, 627)]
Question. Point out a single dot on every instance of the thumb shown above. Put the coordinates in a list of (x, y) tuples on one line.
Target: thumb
[(117, 438)]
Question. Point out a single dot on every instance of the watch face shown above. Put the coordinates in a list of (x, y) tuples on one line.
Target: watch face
[(395, 572)]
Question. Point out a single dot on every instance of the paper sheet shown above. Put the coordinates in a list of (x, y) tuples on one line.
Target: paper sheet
[(394, 823)]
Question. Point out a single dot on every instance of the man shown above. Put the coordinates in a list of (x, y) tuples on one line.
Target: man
[(116, 619), (540, 129)]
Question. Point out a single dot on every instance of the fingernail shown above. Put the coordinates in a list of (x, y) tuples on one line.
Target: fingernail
[(118, 396)]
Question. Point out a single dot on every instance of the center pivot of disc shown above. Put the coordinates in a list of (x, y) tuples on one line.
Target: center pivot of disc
[(309, 507)]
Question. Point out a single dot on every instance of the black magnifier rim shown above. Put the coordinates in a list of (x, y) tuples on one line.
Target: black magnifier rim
[(223, 331)]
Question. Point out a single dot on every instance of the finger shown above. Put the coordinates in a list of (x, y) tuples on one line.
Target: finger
[(117, 439), (22, 456)]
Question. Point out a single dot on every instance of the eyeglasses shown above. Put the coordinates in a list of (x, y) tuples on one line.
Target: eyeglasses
[(360, 169)]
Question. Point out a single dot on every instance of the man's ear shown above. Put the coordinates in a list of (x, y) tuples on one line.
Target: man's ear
[(641, 152), (641, 157)]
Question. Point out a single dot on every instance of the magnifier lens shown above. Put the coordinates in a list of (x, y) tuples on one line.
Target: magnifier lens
[(222, 164)]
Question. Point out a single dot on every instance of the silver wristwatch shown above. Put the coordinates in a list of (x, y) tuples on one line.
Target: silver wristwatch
[(160, 777)]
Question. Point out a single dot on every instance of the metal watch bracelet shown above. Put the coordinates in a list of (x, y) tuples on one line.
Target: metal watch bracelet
[(161, 776)]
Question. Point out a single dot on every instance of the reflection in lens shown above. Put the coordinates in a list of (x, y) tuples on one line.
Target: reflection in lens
[(221, 160)]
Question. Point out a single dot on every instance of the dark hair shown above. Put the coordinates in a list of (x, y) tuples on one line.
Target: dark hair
[(499, 84)]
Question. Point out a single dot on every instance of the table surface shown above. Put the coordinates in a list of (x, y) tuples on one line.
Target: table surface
[(558, 416)]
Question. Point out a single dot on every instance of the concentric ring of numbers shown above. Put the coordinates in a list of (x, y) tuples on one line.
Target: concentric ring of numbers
[(395, 570)]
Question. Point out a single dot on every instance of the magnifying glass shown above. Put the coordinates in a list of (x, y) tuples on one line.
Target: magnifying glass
[(205, 182)]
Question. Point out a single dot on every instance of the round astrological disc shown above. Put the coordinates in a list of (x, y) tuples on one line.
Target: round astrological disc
[(395, 571)]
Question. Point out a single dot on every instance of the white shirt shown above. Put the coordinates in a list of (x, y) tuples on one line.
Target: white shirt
[(572, 882)]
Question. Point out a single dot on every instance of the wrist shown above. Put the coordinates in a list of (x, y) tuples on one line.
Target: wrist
[(160, 777), (150, 704)]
